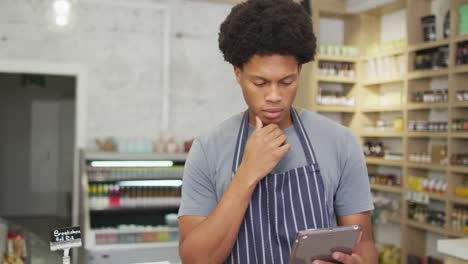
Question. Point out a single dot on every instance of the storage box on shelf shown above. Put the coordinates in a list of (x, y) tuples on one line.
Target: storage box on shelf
[(130, 200)]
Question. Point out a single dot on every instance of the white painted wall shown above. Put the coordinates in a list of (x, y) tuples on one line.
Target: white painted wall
[(393, 26), (331, 31), (122, 49)]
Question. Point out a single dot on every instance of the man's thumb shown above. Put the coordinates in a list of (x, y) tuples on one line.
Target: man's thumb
[(258, 123)]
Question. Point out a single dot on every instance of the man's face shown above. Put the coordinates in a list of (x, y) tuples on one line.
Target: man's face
[(269, 85)]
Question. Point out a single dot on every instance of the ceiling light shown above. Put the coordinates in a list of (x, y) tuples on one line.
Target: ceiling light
[(152, 183), (62, 7), (135, 163), (61, 20)]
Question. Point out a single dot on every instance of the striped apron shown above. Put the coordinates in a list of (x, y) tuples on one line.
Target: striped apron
[(281, 204)]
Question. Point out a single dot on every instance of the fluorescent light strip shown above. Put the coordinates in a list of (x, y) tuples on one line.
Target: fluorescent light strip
[(152, 183), (133, 163)]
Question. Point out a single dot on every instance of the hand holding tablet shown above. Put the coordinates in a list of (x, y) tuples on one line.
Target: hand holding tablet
[(319, 244)]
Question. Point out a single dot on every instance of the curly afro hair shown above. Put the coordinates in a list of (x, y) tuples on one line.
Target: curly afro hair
[(267, 27)]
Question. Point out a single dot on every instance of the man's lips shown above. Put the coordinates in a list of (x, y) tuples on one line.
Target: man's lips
[(272, 113)]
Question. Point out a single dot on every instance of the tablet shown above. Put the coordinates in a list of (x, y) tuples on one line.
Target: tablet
[(319, 244)]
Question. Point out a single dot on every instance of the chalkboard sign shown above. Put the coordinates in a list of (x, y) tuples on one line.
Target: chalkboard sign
[(65, 238)]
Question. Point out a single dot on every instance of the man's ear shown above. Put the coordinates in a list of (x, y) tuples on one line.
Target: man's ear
[(237, 73), (300, 68)]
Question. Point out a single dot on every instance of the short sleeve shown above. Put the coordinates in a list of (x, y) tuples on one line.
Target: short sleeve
[(198, 192), (353, 193)]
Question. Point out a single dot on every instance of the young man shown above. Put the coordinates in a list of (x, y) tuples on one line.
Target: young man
[(259, 177)]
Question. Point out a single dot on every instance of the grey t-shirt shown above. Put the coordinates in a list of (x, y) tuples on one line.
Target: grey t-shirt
[(208, 168)]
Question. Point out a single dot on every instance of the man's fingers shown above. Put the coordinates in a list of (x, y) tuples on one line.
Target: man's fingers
[(347, 259), (279, 140), (258, 123)]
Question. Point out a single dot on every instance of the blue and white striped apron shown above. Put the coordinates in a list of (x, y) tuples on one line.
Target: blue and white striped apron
[(281, 204)]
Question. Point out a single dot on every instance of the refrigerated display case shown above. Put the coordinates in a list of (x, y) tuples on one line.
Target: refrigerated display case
[(129, 206)]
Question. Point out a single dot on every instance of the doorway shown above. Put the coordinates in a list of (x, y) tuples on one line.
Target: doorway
[(37, 144)]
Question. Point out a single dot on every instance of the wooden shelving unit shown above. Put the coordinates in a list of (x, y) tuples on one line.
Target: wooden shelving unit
[(383, 134), (383, 162), (335, 108), (362, 30), (336, 79), (393, 189), (427, 134), (383, 81), (380, 109), (337, 58)]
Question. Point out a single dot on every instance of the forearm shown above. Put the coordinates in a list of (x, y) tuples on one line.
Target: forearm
[(366, 249), (213, 239)]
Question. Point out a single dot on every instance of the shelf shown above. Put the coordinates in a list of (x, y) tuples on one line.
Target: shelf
[(394, 219), (460, 69), (458, 199), (135, 156), (385, 188), (429, 44), (424, 226), (421, 74), (336, 108), (433, 196), (381, 161), (336, 79), (455, 233), (338, 58), (133, 209), (383, 81), (428, 166), (461, 169), (134, 246), (459, 134), (391, 219), (390, 134), (387, 53), (460, 104), (428, 134), (378, 109), (461, 38), (423, 106)]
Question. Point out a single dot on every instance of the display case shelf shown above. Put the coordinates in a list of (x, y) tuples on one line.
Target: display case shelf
[(336, 79), (459, 134), (389, 134), (385, 188), (135, 246), (461, 38), (458, 199), (431, 195), (460, 69), (461, 169), (335, 58), (381, 161), (378, 109), (455, 233), (463, 104), (429, 45), (428, 134), (427, 74), (424, 106), (426, 227), (389, 53), (383, 81), (135, 156), (429, 166), (162, 204), (336, 108)]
